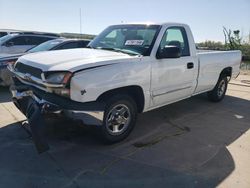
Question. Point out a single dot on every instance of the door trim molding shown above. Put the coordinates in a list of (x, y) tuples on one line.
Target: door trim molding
[(171, 91)]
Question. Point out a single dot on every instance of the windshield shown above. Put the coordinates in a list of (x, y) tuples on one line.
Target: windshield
[(46, 46), (131, 39)]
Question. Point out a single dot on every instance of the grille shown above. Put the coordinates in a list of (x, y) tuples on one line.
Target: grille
[(20, 67)]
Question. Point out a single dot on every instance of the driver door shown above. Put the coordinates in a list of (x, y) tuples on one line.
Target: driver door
[(173, 78)]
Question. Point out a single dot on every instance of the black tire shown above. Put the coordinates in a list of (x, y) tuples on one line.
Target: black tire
[(113, 104), (219, 91)]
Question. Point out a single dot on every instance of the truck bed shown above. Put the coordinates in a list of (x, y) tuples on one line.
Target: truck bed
[(211, 63)]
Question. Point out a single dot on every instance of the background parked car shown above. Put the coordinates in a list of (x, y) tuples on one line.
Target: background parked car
[(56, 44), (60, 44), (21, 42)]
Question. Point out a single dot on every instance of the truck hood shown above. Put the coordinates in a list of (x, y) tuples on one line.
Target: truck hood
[(72, 59)]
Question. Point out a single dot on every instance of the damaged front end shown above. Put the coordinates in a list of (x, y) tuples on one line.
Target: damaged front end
[(33, 109), (36, 104)]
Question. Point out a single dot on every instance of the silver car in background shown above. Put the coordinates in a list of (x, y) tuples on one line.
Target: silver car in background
[(56, 44), (21, 42)]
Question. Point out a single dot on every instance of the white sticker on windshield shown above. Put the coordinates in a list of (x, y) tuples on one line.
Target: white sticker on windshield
[(134, 42)]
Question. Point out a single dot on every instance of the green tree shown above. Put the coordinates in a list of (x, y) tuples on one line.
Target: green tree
[(233, 40)]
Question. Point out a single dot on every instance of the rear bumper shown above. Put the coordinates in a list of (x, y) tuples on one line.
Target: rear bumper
[(35, 104)]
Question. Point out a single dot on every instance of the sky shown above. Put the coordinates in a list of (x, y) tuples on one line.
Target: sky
[(205, 17)]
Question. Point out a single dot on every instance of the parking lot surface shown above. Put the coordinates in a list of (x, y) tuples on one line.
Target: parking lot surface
[(192, 143)]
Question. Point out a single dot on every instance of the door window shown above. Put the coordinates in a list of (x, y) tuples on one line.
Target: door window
[(68, 45), (3, 34), (176, 36), (83, 44), (36, 40), (19, 40)]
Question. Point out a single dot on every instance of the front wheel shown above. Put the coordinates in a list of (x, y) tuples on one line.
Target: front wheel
[(219, 91), (119, 118)]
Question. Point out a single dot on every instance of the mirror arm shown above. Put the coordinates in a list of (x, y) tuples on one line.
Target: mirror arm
[(158, 54)]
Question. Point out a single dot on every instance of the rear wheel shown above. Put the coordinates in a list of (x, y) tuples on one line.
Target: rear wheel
[(219, 91), (119, 118)]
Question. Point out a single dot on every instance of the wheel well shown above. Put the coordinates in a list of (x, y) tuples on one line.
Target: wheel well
[(135, 92), (226, 72)]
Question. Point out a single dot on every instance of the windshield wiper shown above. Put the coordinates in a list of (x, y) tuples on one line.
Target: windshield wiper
[(125, 51)]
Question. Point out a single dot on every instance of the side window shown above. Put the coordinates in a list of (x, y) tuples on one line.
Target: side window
[(19, 40), (68, 45), (83, 44), (36, 40), (44, 39), (3, 34), (176, 36)]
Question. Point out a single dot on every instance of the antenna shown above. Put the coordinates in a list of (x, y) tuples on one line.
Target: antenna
[(80, 21)]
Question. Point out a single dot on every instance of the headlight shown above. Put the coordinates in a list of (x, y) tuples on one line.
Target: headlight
[(58, 77)]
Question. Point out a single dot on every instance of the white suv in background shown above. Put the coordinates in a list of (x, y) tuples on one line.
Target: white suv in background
[(21, 42)]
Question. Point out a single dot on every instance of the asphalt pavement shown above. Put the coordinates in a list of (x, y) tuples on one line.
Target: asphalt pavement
[(192, 143)]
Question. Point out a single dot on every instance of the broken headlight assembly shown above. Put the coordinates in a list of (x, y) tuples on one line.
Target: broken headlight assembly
[(59, 78)]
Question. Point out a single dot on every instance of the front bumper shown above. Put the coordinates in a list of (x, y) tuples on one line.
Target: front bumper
[(35, 104), (90, 113)]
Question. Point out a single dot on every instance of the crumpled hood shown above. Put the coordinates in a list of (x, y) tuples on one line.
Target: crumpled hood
[(72, 59)]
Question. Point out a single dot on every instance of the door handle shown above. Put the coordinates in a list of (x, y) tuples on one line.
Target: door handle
[(190, 65)]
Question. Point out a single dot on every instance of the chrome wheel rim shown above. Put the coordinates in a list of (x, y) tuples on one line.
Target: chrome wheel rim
[(118, 119), (221, 88)]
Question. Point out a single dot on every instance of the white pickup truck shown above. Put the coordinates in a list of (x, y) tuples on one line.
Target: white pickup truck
[(126, 70)]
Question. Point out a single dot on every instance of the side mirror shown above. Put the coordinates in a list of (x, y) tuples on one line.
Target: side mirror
[(169, 52)]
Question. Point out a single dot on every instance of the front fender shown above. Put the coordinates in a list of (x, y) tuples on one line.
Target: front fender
[(90, 84)]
